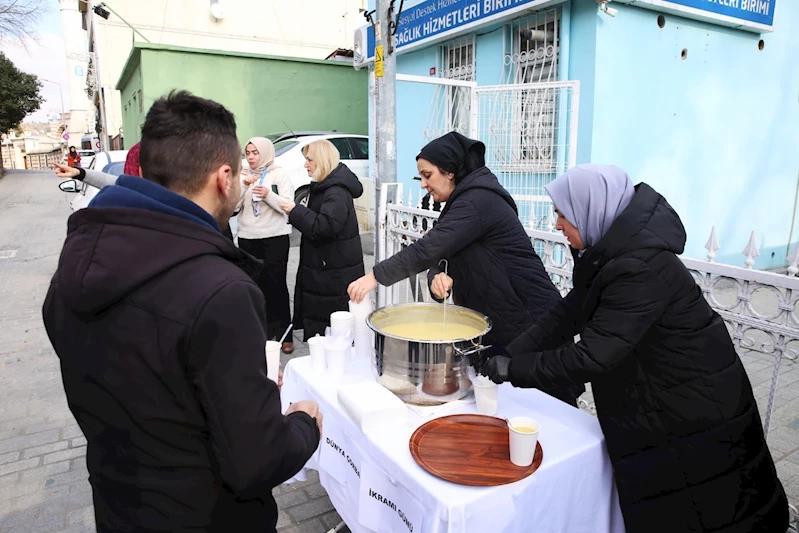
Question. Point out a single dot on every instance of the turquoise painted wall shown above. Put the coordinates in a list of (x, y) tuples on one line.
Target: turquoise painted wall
[(716, 133)]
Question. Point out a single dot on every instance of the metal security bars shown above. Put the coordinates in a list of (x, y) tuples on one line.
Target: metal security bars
[(530, 132)]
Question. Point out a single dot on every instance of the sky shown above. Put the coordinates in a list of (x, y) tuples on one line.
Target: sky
[(45, 58)]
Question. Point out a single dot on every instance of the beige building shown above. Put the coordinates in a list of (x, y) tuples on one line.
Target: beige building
[(299, 28)]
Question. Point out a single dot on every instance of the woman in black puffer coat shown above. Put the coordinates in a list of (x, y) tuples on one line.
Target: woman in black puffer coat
[(675, 404), (331, 256), (493, 267)]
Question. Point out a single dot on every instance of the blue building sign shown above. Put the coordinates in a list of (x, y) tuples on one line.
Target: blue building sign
[(436, 19), (753, 15)]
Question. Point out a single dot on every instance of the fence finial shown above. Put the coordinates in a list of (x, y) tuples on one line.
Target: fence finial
[(751, 251), (712, 245), (793, 261)]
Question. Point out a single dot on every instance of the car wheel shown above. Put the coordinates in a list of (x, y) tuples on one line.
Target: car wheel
[(301, 195)]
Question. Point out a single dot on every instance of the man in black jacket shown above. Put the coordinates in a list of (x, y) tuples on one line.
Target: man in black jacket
[(161, 331)]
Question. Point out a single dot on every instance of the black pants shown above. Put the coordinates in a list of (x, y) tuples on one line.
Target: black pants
[(274, 252)]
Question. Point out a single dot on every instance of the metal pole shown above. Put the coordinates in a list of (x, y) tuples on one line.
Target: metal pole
[(385, 113), (128, 24), (100, 95)]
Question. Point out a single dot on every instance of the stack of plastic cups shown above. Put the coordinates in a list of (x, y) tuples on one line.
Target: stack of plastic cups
[(341, 323), (364, 337)]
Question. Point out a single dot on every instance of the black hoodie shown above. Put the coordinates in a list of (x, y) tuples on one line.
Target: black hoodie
[(160, 333), (331, 256)]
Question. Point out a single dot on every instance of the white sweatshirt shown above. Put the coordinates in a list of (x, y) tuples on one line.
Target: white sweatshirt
[(271, 222)]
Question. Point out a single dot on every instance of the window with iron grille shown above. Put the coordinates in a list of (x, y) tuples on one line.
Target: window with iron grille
[(533, 58), (459, 64)]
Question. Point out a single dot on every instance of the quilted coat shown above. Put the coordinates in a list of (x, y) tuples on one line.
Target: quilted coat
[(675, 404)]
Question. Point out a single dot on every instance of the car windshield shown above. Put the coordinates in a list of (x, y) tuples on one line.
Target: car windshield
[(273, 136), (284, 146), (115, 169)]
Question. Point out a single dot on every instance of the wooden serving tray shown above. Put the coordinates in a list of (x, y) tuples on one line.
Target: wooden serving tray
[(469, 450)]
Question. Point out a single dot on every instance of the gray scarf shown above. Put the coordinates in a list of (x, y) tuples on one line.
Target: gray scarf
[(591, 197)]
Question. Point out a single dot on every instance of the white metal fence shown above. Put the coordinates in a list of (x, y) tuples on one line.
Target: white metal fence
[(761, 309)]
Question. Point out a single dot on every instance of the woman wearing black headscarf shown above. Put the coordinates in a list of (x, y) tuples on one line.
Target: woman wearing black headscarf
[(492, 264)]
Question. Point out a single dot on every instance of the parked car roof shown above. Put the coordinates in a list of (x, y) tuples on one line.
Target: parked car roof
[(283, 135)]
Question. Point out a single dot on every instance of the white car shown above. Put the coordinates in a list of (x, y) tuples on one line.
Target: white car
[(353, 150), (112, 162)]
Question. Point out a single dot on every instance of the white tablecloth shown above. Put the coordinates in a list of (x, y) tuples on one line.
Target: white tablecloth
[(571, 492)]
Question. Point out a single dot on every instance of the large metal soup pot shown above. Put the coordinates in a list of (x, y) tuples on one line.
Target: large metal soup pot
[(425, 372)]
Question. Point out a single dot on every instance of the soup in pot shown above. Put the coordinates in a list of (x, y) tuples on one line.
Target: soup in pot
[(432, 331)]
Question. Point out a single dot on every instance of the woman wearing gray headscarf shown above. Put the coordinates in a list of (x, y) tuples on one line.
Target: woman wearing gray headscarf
[(681, 424)]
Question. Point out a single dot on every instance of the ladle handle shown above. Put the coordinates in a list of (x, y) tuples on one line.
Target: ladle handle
[(446, 271)]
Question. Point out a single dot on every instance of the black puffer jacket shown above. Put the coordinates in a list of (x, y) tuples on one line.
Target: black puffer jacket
[(674, 401), (331, 256), (491, 260)]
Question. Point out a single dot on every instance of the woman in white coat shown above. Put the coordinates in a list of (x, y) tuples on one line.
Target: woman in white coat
[(264, 231)]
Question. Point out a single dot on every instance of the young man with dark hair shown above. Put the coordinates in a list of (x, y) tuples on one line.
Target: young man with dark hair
[(161, 332)]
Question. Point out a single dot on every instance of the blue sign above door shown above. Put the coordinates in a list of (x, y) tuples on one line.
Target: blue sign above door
[(437, 19)]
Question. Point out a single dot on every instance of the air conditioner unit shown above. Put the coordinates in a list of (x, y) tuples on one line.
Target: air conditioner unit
[(359, 48)]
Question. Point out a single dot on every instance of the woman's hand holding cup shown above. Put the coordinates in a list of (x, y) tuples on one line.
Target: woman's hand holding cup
[(260, 191)]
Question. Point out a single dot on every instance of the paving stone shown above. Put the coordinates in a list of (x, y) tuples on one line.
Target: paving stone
[(28, 441), (68, 477), (81, 516), (71, 432), (80, 441), (18, 466), (46, 471), (8, 457), (47, 448), (310, 509), (36, 428), (311, 526), (18, 517), (290, 499), (283, 519), (64, 455), (331, 519), (50, 524), (315, 491)]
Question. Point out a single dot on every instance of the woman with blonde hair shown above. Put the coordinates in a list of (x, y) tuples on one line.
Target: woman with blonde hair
[(331, 256), (264, 231)]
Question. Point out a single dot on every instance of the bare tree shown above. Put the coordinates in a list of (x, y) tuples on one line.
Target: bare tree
[(18, 18)]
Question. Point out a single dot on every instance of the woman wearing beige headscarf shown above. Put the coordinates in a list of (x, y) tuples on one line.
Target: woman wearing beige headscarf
[(264, 231)]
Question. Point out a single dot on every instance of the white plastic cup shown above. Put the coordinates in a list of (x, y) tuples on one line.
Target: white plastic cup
[(523, 439), (341, 323), (337, 360), (318, 352), (272, 360), (364, 342), (486, 396)]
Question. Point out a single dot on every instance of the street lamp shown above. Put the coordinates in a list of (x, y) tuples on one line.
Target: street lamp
[(60, 93)]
